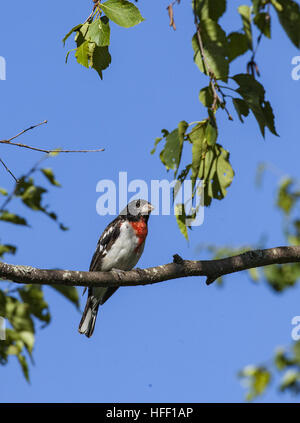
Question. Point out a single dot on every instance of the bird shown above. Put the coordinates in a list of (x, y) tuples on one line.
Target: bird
[(119, 249)]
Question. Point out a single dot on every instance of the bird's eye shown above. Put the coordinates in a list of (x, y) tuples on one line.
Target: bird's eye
[(138, 203)]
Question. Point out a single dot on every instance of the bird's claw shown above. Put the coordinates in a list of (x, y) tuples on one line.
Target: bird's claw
[(119, 272)]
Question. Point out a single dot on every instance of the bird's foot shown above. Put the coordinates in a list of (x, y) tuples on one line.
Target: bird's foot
[(119, 272)]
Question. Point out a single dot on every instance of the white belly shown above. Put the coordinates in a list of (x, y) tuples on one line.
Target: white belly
[(123, 254)]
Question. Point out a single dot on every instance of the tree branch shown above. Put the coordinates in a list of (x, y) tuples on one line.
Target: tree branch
[(9, 171), (42, 150), (180, 268)]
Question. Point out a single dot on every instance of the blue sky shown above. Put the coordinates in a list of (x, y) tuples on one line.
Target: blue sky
[(179, 341)]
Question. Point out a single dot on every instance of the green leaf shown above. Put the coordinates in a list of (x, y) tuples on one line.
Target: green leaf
[(245, 13), (258, 379), (254, 274), (48, 173), (180, 179), (70, 292), (215, 48), (80, 36), (257, 5), (296, 351), (12, 218), (7, 249), (241, 108), (3, 191), (74, 29), (285, 198), (289, 17), (24, 365), (237, 45), (99, 32), (32, 197), (291, 381), (281, 360), (263, 23), (218, 173), (224, 170), (122, 12), (212, 9), (28, 339), (277, 5), (17, 313), (33, 297), (211, 132), (170, 155), (181, 219), (67, 56), (82, 54), (100, 59), (206, 96), (197, 137), (269, 117), (281, 277), (253, 94), (157, 141), (182, 127)]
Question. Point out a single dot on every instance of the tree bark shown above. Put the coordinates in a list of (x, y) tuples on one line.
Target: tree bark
[(211, 269)]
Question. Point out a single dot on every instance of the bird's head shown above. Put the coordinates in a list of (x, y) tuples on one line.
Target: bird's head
[(137, 208)]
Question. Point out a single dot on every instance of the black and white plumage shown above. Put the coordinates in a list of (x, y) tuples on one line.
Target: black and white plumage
[(119, 247)]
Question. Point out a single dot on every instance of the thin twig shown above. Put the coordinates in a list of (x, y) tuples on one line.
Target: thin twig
[(42, 150), (26, 176), (8, 142), (252, 65), (25, 130), (96, 3), (224, 102), (9, 171), (49, 151)]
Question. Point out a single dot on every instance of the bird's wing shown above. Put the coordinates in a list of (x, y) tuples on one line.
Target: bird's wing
[(105, 242), (110, 234)]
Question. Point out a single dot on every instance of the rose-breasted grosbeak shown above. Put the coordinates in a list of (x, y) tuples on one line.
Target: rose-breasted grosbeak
[(119, 247)]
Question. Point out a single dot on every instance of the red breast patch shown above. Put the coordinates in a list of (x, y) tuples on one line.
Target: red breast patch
[(141, 230)]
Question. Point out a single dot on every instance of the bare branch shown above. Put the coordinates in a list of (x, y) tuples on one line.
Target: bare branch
[(9, 142), (9, 171), (211, 269), (50, 151), (25, 130)]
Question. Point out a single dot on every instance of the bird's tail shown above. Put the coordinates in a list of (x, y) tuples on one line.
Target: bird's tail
[(88, 320)]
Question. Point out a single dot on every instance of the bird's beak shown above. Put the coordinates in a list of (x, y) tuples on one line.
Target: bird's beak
[(147, 208)]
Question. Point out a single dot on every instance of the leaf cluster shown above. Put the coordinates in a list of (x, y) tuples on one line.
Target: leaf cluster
[(214, 52), (92, 38), (25, 307)]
